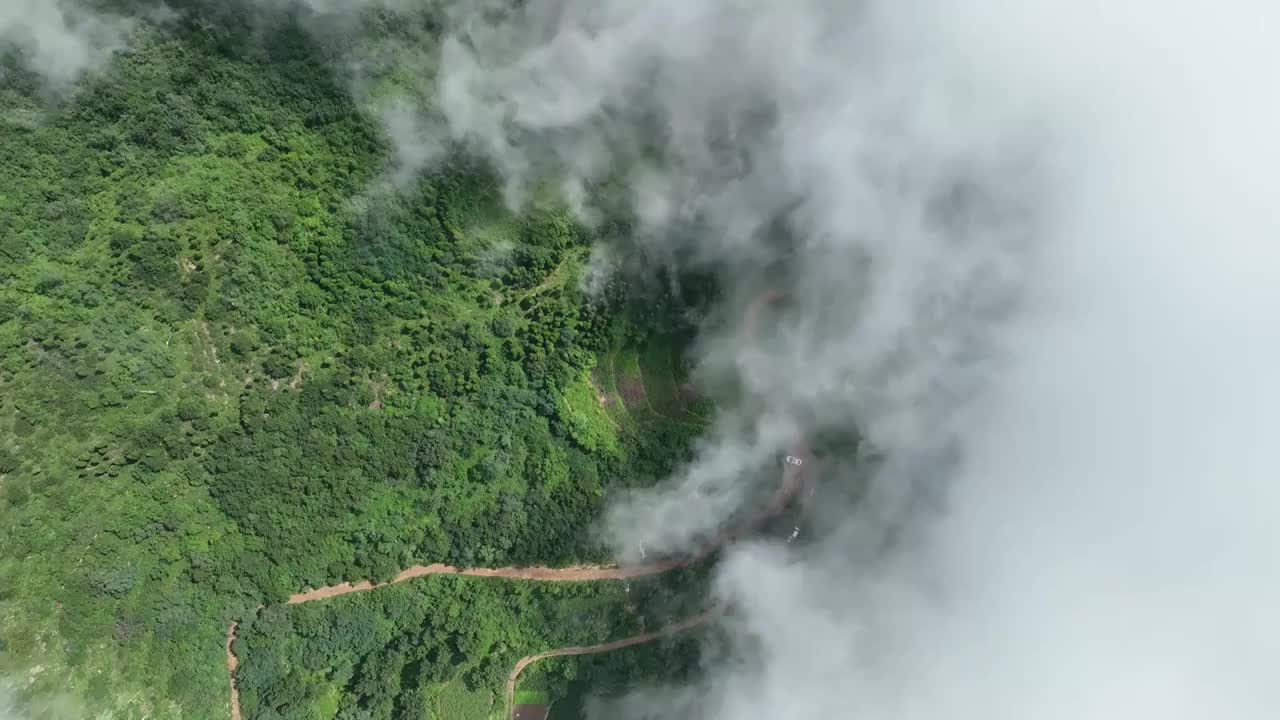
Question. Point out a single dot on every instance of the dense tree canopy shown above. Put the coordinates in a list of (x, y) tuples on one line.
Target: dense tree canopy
[(234, 363)]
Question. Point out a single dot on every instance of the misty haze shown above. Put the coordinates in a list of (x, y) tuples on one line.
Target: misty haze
[(560, 359)]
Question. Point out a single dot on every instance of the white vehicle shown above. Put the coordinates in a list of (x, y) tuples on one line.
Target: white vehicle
[(794, 534), (793, 460)]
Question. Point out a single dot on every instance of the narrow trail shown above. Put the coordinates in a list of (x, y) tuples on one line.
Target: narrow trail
[(232, 664), (672, 629), (573, 573), (793, 479)]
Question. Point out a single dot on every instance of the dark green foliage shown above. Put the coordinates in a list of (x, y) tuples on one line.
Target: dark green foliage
[(8, 461), (576, 683)]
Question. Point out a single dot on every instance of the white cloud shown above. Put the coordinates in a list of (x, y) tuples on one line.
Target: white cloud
[(1032, 251), (60, 40)]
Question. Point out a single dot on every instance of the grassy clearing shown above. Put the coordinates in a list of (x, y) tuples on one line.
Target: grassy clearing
[(660, 374), (456, 702), (621, 391), (326, 706), (604, 385), (566, 271), (590, 423), (629, 383), (500, 230), (532, 697), (641, 388)]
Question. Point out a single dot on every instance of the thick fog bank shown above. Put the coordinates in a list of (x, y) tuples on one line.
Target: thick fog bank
[(1030, 250)]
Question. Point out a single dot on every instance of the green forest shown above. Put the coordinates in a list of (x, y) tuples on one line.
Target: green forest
[(442, 647), (235, 363)]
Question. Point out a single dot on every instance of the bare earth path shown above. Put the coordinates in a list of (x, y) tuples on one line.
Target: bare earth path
[(574, 573), (232, 663), (793, 478), (641, 639)]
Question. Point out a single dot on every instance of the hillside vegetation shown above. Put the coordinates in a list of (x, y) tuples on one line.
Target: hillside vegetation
[(440, 648), (235, 364)]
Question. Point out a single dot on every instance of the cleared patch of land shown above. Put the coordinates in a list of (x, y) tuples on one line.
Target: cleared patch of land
[(639, 389), (456, 702)]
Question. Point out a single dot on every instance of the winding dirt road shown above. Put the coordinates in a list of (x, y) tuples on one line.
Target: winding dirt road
[(672, 629), (793, 479)]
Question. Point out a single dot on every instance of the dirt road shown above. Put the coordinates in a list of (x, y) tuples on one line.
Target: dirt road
[(640, 639), (232, 664), (536, 572)]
